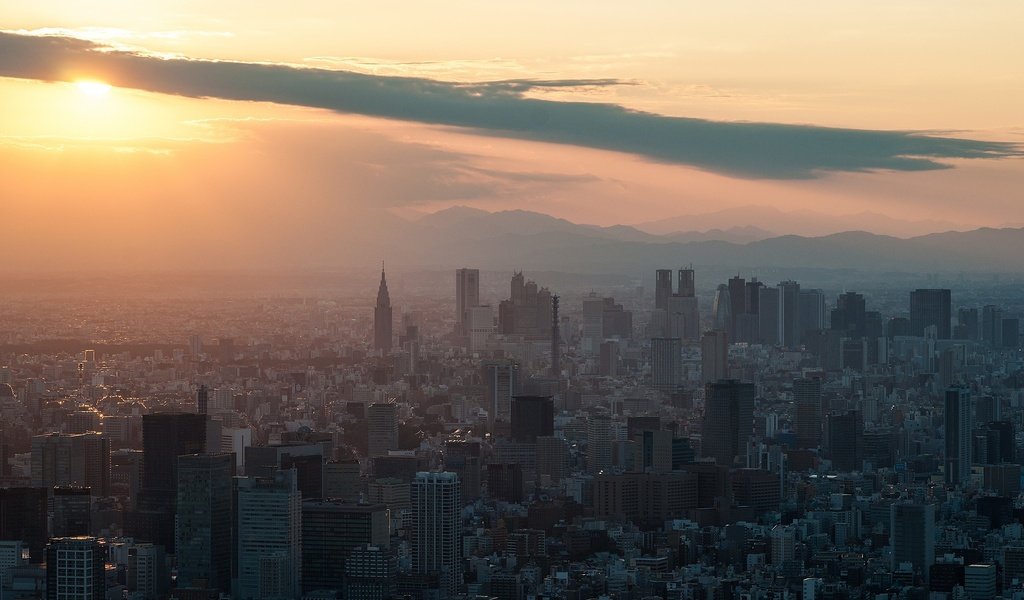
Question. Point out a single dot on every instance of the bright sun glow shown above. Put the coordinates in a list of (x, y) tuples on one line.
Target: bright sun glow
[(93, 88)]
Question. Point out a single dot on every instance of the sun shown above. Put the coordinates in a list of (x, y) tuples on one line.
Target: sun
[(93, 88)]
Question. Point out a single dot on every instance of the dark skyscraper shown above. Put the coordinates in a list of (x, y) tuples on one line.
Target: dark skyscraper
[(467, 295), (789, 314), (728, 420), (23, 517), (383, 319), (846, 440), (768, 316), (959, 421), (849, 316), (203, 520), (330, 531), (203, 399), (930, 307), (532, 417), (662, 288), (687, 283), (737, 303), (807, 401)]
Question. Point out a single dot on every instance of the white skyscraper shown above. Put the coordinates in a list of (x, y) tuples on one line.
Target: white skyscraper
[(435, 532), (269, 537)]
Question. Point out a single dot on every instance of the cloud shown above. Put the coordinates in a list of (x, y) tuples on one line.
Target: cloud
[(502, 108)]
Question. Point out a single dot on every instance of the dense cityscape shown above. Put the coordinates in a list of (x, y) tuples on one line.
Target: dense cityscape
[(484, 436)]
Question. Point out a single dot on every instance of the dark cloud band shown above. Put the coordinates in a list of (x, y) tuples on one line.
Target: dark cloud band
[(755, 150)]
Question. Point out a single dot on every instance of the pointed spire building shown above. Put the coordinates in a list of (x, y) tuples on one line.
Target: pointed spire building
[(382, 316)]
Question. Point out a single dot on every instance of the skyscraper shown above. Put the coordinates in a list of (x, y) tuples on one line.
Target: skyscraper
[(532, 417), (269, 537), (203, 521), (812, 311), (687, 284), (599, 443), (666, 363), (728, 420), (850, 315), (662, 288), (75, 569), (846, 440), (78, 460), (930, 307), (912, 533), (807, 402), (382, 428), (769, 330), (23, 517), (502, 380), (789, 314), (370, 573), (959, 421), (737, 303), (330, 531), (383, 319), (434, 529), (467, 295), (714, 356)]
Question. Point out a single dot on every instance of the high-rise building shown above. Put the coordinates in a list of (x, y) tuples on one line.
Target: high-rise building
[(72, 512), (737, 304), (269, 552), (147, 576), (783, 548), (463, 457), (666, 363), (330, 531), (502, 380), (434, 529), (850, 315), (807, 402), (467, 295), (203, 521), (75, 569), (383, 318), (370, 573), (912, 533), (846, 440), (306, 458), (721, 309), (687, 284), (382, 428), (930, 307), (505, 482), (967, 320), (812, 311), (532, 417), (714, 356), (959, 422), (599, 443), (768, 316), (728, 420), (23, 517), (76, 460), (980, 581), (662, 288), (789, 314)]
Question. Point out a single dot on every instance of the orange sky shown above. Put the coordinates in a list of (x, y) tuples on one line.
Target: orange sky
[(85, 162)]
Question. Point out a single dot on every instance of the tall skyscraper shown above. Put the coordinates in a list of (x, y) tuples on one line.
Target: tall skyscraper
[(666, 363), (370, 574), (23, 517), (912, 533), (846, 440), (721, 308), (532, 417), (269, 552), (662, 288), (502, 380), (738, 303), (850, 315), (687, 283), (75, 569), (930, 307), (330, 531), (383, 319), (434, 529), (728, 420), (812, 311), (203, 521), (714, 356), (77, 460), (467, 295), (768, 317), (991, 325), (789, 314), (382, 428), (959, 421), (599, 443), (807, 402)]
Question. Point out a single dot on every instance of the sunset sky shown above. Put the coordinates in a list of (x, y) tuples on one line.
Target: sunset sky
[(228, 120)]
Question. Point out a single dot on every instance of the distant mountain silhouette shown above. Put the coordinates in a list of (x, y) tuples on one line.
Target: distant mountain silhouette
[(807, 223)]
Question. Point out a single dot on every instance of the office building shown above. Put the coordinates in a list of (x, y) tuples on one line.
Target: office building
[(370, 573), (75, 569), (662, 288), (269, 536), (807, 402), (383, 318), (502, 380), (599, 443), (203, 521), (23, 517), (959, 424), (467, 295), (789, 314), (980, 581), (714, 356), (912, 536), (930, 307), (75, 460), (72, 512), (306, 458), (330, 531), (812, 311), (532, 417), (666, 363), (846, 441), (382, 428), (728, 420), (435, 538), (768, 316), (147, 576)]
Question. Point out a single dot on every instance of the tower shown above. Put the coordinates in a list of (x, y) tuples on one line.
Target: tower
[(203, 399), (807, 400), (467, 295), (269, 536), (556, 340), (383, 319), (330, 531), (714, 355), (930, 307), (435, 535), (959, 421), (912, 532), (532, 417), (662, 288), (789, 314), (203, 520), (382, 428), (728, 420)]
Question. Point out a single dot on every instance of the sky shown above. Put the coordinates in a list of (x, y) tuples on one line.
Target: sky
[(149, 129)]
